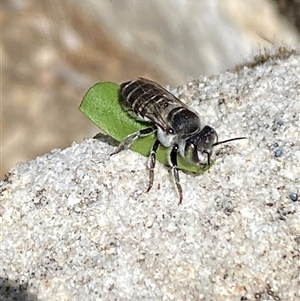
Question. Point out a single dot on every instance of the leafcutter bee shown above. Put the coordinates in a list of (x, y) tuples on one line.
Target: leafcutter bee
[(177, 126)]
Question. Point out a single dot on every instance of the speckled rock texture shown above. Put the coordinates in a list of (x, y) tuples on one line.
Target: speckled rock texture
[(77, 223)]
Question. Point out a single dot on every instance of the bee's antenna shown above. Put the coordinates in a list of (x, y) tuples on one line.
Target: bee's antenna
[(232, 139)]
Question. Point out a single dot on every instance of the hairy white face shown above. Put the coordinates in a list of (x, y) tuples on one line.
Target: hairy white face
[(193, 154), (198, 148)]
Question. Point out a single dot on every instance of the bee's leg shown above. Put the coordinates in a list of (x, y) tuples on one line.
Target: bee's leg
[(208, 157), (151, 163), (173, 163), (127, 142)]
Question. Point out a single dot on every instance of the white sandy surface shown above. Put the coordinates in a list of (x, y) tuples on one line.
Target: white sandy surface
[(78, 225)]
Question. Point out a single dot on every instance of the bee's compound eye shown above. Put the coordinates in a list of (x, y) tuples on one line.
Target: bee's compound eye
[(208, 137)]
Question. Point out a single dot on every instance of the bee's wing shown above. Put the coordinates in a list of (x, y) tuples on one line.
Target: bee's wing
[(159, 102)]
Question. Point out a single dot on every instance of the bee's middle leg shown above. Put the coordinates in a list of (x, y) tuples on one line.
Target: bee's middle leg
[(151, 163), (128, 141), (175, 174)]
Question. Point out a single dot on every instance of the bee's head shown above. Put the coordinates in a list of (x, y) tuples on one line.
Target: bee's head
[(201, 145)]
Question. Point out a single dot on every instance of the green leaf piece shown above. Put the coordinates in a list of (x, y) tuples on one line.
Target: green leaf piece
[(102, 106)]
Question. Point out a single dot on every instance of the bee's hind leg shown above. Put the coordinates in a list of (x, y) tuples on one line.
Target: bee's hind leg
[(151, 163), (128, 141)]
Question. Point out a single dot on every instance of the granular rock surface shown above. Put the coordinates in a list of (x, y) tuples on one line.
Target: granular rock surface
[(77, 223)]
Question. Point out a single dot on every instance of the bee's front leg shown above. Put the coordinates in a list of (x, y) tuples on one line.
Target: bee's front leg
[(175, 174), (151, 163), (127, 142)]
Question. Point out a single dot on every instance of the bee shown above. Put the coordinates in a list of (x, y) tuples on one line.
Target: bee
[(177, 127)]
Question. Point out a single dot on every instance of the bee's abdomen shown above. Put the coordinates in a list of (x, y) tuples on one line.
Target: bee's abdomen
[(142, 97), (130, 92)]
